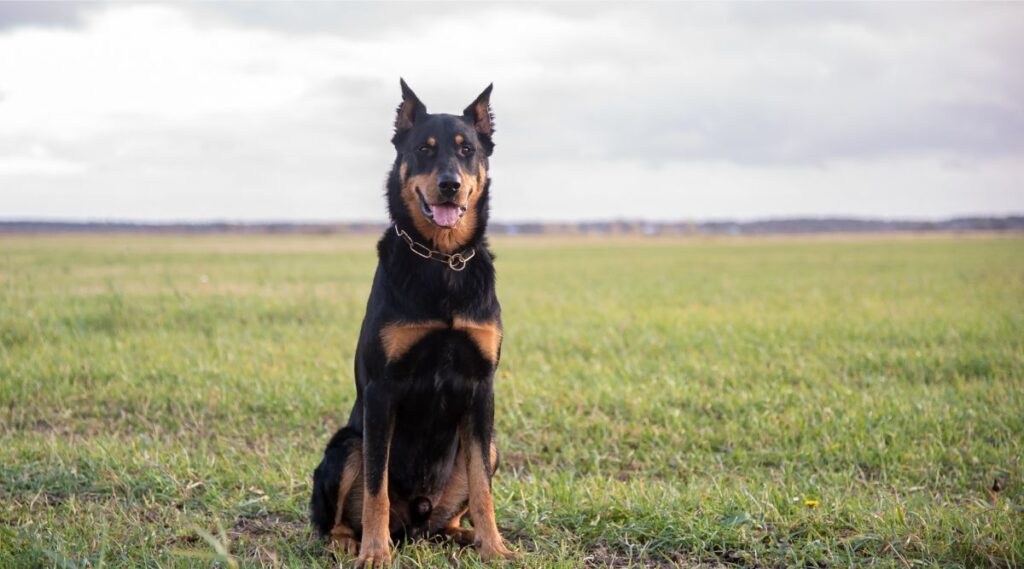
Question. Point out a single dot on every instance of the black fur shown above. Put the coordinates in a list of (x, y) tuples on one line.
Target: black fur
[(444, 381)]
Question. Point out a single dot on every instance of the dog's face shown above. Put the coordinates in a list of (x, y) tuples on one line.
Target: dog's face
[(442, 166)]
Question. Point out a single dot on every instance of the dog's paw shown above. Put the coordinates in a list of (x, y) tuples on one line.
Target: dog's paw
[(495, 551), (373, 561), (343, 541), (344, 546), (460, 535), (375, 555)]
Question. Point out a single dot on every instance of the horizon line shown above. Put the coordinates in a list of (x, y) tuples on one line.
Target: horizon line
[(596, 220)]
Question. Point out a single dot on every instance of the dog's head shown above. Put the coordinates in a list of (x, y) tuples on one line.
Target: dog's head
[(440, 175)]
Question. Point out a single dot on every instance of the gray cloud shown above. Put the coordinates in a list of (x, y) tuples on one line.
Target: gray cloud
[(16, 14), (776, 85)]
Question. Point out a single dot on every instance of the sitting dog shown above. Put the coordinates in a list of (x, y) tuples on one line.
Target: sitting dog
[(418, 451)]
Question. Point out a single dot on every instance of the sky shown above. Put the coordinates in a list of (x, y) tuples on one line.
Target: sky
[(283, 112)]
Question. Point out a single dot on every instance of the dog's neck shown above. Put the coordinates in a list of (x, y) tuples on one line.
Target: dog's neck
[(420, 281), (456, 261)]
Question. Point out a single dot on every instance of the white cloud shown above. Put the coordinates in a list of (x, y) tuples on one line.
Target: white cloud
[(38, 162), (916, 188), (257, 111), (147, 62)]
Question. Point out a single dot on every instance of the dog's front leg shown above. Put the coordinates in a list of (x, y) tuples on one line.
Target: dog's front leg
[(476, 439), (377, 429)]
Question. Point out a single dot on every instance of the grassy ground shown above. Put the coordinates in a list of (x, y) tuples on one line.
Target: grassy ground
[(163, 400)]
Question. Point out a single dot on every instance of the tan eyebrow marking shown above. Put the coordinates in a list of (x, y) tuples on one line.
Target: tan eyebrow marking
[(459, 139), (431, 141)]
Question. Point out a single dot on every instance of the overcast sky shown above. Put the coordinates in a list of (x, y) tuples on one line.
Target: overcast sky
[(276, 111)]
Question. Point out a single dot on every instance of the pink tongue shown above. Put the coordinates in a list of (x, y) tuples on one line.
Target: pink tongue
[(445, 215)]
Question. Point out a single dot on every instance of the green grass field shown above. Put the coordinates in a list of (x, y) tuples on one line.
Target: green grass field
[(781, 402)]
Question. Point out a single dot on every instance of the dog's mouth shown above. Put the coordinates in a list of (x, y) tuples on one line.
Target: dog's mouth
[(443, 215)]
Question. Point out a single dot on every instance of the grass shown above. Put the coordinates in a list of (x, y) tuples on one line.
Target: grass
[(785, 402)]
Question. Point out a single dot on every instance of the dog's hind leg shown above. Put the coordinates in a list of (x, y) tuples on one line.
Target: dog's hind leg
[(446, 519), (335, 508), (454, 501), (343, 537)]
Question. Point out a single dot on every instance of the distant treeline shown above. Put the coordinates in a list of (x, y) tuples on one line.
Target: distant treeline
[(762, 227)]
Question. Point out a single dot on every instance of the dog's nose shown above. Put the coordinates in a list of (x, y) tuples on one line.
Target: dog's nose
[(449, 185)]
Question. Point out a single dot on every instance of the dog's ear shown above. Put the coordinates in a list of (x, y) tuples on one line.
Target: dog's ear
[(410, 111), (479, 112)]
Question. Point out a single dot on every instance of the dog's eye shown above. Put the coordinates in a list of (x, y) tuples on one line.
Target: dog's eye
[(424, 149), (466, 150)]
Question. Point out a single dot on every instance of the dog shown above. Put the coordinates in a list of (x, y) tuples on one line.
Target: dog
[(418, 451)]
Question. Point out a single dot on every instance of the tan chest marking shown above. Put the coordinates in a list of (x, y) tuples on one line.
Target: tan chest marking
[(399, 337), (486, 336)]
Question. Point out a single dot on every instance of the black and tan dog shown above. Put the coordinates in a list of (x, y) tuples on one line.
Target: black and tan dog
[(418, 451)]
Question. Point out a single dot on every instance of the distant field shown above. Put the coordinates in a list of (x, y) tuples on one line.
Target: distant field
[(163, 400)]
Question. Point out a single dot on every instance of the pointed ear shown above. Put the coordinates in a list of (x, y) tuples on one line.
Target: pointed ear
[(479, 112), (410, 111)]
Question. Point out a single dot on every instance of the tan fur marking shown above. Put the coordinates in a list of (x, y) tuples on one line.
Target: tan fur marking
[(431, 141), (353, 468), (486, 336), (376, 545), (374, 509), (481, 504), (457, 533), (459, 139), (453, 529), (343, 538), (450, 240), (403, 172), (456, 521), (444, 238), (399, 337), (481, 177), (376, 533), (427, 184), (343, 541)]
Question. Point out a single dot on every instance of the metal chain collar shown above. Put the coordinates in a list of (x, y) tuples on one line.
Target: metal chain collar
[(455, 261)]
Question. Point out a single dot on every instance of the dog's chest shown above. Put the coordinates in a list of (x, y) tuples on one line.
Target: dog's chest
[(460, 345)]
